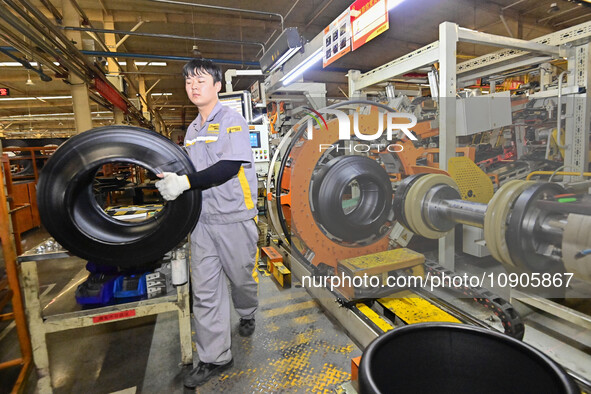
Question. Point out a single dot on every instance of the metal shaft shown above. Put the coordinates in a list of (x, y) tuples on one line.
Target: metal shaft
[(551, 230), (464, 212)]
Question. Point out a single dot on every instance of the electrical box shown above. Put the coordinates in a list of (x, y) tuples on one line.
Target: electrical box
[(482, 113)]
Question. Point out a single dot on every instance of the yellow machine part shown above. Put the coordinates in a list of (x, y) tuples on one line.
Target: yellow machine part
[(411, 308), (382, 262), (374, 317), (555, 140), (473, 183)]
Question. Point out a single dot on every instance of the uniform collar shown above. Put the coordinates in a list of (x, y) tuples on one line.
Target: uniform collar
[(217, 108)]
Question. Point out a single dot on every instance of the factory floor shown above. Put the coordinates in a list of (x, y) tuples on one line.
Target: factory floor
[(295, 347)]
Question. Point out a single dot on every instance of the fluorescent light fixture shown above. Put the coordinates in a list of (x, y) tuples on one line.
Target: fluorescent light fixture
[(249, 72), (35, 98), (303, 66), (161, 94), (284, 47), (60, 114), (393, 3), (155, 64), (285, 57), (17, 64)]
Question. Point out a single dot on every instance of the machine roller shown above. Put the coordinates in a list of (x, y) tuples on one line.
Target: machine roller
[(527, 225)]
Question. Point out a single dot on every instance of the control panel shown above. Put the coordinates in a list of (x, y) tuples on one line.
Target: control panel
[(259, 143)]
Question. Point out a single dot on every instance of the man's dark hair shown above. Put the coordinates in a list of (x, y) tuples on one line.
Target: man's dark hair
[(202, 66)]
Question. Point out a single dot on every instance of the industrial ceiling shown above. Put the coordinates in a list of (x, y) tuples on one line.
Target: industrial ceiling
[(235, 34)]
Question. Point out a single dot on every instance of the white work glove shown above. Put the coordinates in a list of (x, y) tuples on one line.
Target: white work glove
[(172, 185)]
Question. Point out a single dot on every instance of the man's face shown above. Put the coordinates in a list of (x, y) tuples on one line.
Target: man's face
[(201, 89)]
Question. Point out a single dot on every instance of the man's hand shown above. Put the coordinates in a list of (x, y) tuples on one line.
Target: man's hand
[(172, 185)]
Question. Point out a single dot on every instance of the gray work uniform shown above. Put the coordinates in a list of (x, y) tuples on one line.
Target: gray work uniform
[(225, 238)]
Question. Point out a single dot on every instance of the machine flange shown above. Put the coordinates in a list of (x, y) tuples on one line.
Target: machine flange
[(525, 217)]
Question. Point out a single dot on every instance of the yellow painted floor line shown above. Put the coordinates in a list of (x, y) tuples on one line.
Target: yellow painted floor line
[(290, 308), (306, 319), (282, 297)]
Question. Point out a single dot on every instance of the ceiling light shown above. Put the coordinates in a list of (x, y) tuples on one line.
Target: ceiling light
[(393, 3), (161, 94), (29, 81), (196, 52), (155, 64), (53, 114), (35, 98), (17, 64)]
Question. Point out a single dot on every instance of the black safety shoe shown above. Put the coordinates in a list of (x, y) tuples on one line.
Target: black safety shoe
[(246, 327), (204, 372)]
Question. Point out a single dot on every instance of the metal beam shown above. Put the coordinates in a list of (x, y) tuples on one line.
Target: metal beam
[(572, 35), (125, 37), (426, 55), (448, 40), (502, 68), (476, 37)]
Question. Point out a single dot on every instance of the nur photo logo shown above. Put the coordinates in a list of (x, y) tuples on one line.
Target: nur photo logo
[(394, 125)]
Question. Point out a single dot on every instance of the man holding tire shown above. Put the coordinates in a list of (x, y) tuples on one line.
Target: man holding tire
[(224, 242)]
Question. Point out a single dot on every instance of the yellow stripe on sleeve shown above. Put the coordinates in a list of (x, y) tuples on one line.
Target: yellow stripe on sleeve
[(245, 188)]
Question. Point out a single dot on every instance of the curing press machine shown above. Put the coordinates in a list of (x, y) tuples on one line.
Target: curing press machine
[(342, 214)]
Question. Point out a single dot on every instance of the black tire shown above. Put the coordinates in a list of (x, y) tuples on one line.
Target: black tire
[(51, 143), (26, 165), (375, 201), (397, 361), (71, 214)]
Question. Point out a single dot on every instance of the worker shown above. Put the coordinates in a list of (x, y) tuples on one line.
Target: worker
[(224, 242)]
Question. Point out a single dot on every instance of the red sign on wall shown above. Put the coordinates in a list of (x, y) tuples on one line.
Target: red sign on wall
[(4, 92), (369, 19)]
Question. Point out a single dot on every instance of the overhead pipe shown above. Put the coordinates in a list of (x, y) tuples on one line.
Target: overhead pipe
[(40, 24), (160, 35), (151, 56), (577, 7), (317, 14), (70, 48), (41, 43), (68, 53), (512, 4), (51, 8), (166, 57), (21, 47), (220, 8), (44, 77), (571, 20), (86, 21)]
